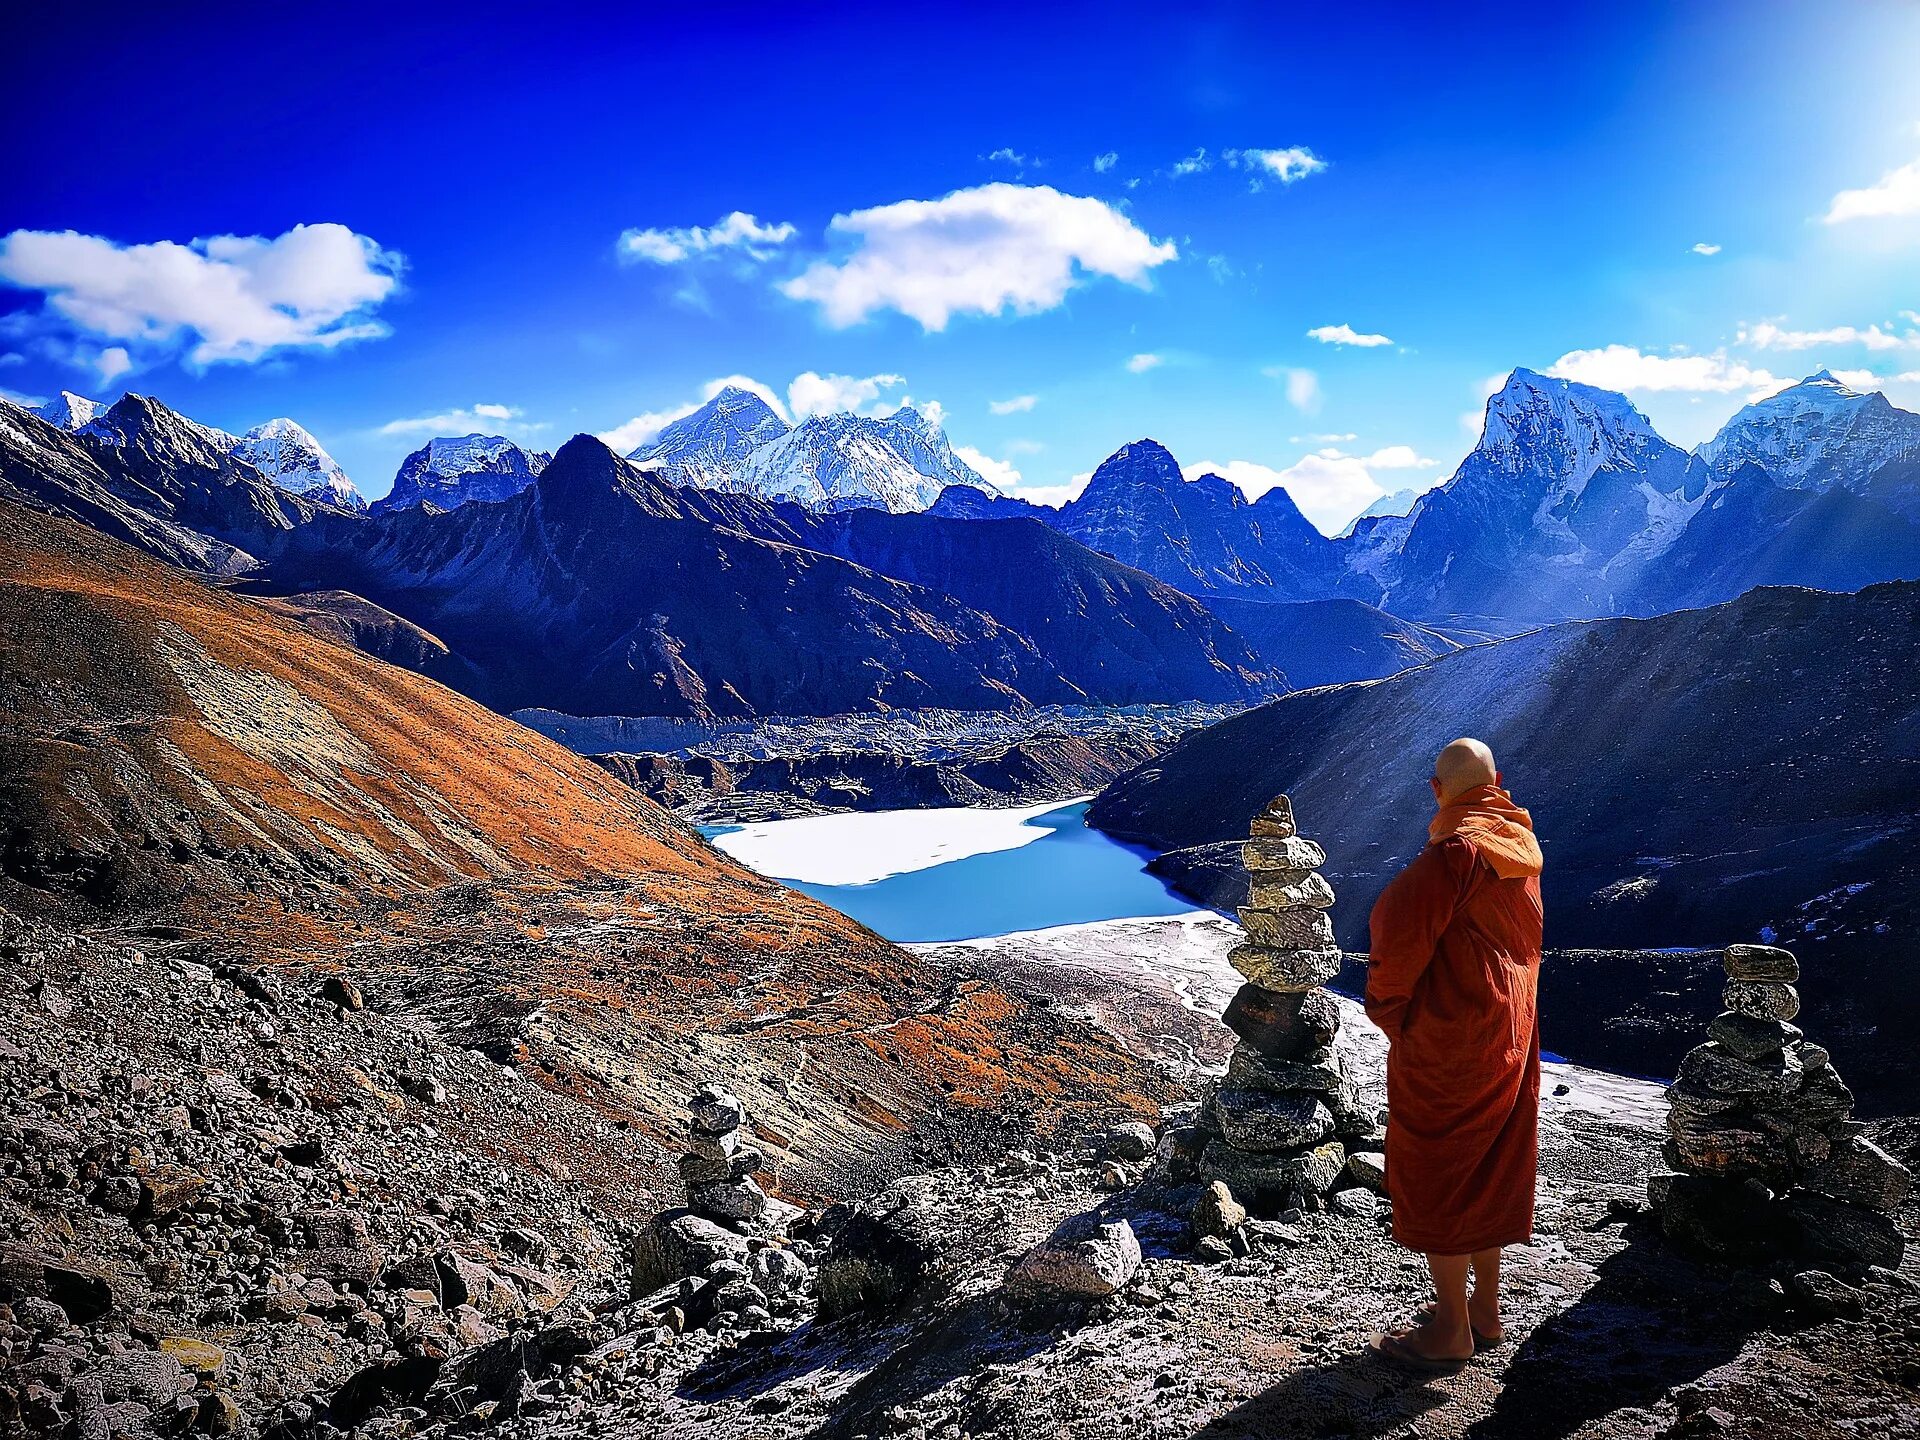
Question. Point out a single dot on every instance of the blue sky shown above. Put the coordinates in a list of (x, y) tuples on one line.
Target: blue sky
[(1482, 188)]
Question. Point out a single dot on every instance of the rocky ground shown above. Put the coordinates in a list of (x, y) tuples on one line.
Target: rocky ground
[(253, 1203)]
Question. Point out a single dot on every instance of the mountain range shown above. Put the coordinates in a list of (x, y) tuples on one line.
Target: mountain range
[(450, 471)]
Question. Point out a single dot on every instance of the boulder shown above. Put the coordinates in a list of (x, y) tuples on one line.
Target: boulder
[(1266, 1121), (1216, 1212), (1271, 1183), (1085, 1259), (1718, 1071), (680, 1243), (1847, 1233), (1277, 852), (1859, 1172), (739, 1199), (1289, 890), (1287, 929), (1359, 1204), (1761, 999), (1761, 962), (714, 1111), (1177, 1158), (895, 1249), (1368, 1168), (1129, 1140), (1752, 1039), (1732, 1219), (1282, 1024), (1285, 969)]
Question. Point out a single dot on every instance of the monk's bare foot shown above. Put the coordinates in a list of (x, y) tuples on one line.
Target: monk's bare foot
[(1484, 1316), (1430, 1340)]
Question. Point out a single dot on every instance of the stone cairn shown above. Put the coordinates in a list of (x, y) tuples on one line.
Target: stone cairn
[(718, 1166), (1279, 1127), (1768, 1161)]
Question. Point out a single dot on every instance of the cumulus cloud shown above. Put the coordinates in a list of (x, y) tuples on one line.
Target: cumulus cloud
[(1622, 367), (1007, 155), (1895, 193), (1329, 491), (464, 420), (1145, 361), (739, 231), (1345, 335), (227, 297), (812, 394), (113, 362), (997, 473), (984, 251), (1018, 405), (1103, 163), (1705, 249), (1056, 495), (1294, 162), (1765, 336)]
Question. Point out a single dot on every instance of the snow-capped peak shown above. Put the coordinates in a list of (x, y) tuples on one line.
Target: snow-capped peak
[(1565, 430), (290, 457), (70, 411), (1817, 430), (703, 448), (452, 470)]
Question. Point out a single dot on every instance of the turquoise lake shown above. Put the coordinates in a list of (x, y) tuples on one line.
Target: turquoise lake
[(1069, 876)]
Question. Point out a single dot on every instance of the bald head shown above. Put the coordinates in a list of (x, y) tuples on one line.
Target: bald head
[(1461, 766)]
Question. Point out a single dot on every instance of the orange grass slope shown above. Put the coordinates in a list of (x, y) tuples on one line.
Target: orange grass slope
[(150, 718)]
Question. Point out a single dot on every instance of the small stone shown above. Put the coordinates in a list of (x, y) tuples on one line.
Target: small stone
[(1358, 1204), (697, 1171), (1266, 1121), (1177, 1156), (1216, 1212), (741, 1199), (1303, 929), (1753, 1039), (1816, 1293), (339, 990), (218, 1414), (1212, 1250), (195, 1355), (1276, 821), (1084, 1259), (169, 1190), (1821, 1101), (1289, 890), (1761, 962), (715, 1111), (1270, 852), (1368, 1168), (1761, 999), (1285, 969)]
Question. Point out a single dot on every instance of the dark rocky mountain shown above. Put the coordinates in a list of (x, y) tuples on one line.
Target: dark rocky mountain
[(150, 477), (1327, 642), (603, 590), (1202, 535), (450, 471), (1715, 775)]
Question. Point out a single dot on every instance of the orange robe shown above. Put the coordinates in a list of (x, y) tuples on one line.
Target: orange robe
[(1456, 956)]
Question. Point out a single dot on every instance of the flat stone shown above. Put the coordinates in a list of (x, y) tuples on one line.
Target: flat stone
[(1275, 822), (1761, 999), (1822, 1101), (196, 1355), (1085, 1259), (1266, 1121), (1728, 1146), (1282, 1024), (1270, 852), (1710, 1068), (697, 1170), (1761, 962), (1268, 1184), (714, 1111), (1289, 890), (1216, 1212), (740, 1199), (1305, 929), (1360, 1204), (1751, 1038), (1285, 969), (718, 1148), (1317, 1072), (1846, 1232), (1861, 1173)]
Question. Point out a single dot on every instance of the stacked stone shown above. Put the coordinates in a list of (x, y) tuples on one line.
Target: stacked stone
[(719, 1164), (1767, 1157), (1277, 1128)]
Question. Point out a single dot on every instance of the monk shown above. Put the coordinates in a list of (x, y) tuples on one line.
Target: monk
[(1456, 954)]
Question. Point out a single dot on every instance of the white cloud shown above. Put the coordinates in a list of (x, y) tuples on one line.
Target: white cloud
[(113, 362), (1056, 494), (1393, 457), (1007, 155), (1197, 163), (1295, 162), (464, 420), (1330, 490), (1705, 249), (1765, 336), (737, 231), (1303, 387), (1622, 367), (233, 297), (982, 251), (1145, 361), (997, 473), (1103, 163), (1345, 335), (1895, 193), (1018, 405), (812, 394)]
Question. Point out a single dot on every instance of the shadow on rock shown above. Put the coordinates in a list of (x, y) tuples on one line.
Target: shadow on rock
[(1358, 1394)]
